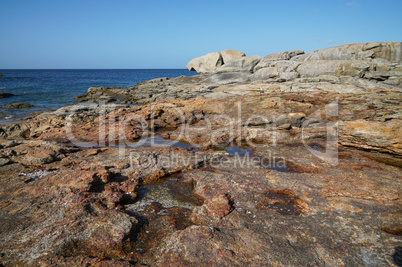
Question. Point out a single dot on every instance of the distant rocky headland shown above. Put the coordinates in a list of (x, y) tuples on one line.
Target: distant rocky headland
[(291, 159)]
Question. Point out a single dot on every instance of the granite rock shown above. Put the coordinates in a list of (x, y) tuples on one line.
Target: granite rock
[(390, 51), (241, 64), (207, 63), (229, 54)]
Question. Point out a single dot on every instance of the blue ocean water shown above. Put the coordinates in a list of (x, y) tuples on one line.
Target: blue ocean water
[(52, 89)]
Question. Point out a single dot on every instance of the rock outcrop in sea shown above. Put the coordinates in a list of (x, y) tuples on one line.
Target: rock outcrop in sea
[(18, 105), (316, 179), (4, 95)]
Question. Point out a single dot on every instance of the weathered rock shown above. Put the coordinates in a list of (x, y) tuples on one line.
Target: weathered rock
[(15, 130), (242, 64), (153, 81), (73, 214), (18, 105), (83, 113), (209, 62), (148, 91), (315, 68), (286, 55), (206, 64), (375, 136), (4, 161), (275, 70), (36, 153), (102, 94), (282, 65), (375, 61), (228, 78), (391, 51), (4, 95), (260, 215), (100, 234), (53, 122), (296, 119), (229, 54), (167, 114)]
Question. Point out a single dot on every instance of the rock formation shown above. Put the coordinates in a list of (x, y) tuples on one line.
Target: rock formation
[(316, 179), (4, 95), (242, 64), (18, 105), (368, 64), (209, 62), (229, 54), (389, 51)]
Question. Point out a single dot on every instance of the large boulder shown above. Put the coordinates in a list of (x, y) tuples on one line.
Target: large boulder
[(241, 64), (231, 54), (209, 62), (206, 64), (391, 51)]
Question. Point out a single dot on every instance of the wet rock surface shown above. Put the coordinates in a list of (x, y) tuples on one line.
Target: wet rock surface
[(294, 173)]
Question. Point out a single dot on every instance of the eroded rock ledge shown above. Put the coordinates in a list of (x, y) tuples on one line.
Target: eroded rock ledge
[(78, 188)]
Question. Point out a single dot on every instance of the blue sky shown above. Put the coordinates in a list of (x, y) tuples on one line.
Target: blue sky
[(168, 34)]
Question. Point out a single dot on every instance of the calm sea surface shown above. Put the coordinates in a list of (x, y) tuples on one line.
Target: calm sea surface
[(52, 89)]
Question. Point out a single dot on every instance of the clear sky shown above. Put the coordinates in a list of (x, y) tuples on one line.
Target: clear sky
[(168, 34)]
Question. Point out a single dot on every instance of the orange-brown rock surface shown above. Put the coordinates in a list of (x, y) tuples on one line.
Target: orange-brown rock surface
[(268, 173)]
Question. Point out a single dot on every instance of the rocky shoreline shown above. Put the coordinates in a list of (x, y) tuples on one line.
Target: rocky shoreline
[(316, 179)]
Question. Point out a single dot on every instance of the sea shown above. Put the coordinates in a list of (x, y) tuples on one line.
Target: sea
[(53, 89)]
